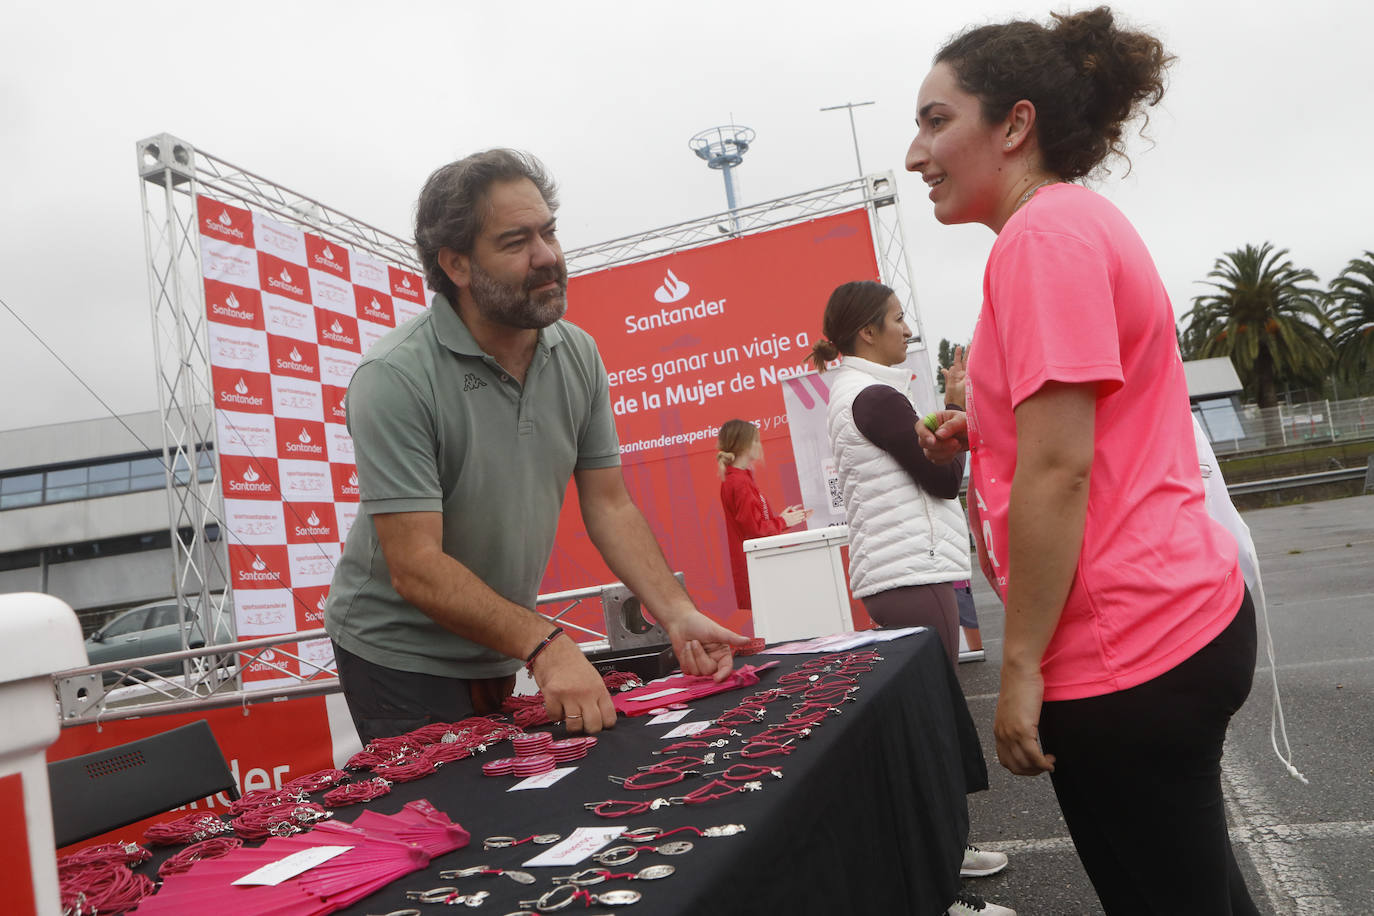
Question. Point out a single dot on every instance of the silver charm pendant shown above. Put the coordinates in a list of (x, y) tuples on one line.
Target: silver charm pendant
[(675, 848), (654, 872), (617, 898), (641, 834), (723, 830), (545, 839)]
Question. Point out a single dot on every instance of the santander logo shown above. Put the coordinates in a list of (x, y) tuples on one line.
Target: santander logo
[(258, 564), (285, 282), (295, 355), (241, 396), (336, 327), (304, 438), (225, 219), (313, 519), (250, 482), (328, 253), (353, 479), (231, 308), (405, 281), (672, 290)]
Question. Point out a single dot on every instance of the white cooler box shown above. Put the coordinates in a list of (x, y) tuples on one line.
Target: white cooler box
[(798, 584)]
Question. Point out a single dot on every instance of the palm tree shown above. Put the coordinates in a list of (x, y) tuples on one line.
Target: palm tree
[(1352, 316), (1265, 315)]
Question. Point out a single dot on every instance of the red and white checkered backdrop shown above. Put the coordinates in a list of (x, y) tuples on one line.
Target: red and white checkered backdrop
[(290, 314)]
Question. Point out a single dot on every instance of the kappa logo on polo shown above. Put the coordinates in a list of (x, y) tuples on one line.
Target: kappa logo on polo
[(672, 290), (472, 382)]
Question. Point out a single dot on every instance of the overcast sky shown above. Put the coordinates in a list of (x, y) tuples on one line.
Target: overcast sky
[(1263, 135)]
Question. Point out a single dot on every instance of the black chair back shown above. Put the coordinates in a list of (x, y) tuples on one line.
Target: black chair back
[(106, 789)]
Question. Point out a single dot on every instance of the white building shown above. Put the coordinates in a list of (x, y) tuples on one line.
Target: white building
[(84, 513)]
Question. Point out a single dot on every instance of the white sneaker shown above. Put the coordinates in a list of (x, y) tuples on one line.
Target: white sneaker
[(967, 904), (979, 864)]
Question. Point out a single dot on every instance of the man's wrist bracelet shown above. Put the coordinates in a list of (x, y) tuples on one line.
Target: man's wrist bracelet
[(543, 644)]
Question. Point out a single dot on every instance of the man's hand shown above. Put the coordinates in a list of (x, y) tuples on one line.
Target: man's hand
[(573, 690), (702, 645), (1017, 723), (949, 438)]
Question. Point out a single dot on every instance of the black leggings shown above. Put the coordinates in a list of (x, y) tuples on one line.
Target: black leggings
[(1138, 776)]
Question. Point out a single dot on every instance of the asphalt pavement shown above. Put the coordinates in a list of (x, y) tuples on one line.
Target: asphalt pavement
[(1306, 850)]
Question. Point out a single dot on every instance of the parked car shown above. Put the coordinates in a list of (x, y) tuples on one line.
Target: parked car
[(151, 629)]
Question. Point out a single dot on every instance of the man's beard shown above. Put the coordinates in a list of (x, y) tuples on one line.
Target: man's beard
[(518, 307)]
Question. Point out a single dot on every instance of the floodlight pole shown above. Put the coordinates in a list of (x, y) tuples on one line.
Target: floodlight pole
[(850, 106)]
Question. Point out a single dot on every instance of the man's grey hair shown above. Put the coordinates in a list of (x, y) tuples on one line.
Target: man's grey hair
[(450, 211)]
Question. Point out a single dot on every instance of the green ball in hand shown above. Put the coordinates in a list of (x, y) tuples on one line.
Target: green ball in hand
[(931, 421)]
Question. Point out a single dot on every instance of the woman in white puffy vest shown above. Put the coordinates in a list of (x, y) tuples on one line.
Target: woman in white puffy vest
[(908, 540)]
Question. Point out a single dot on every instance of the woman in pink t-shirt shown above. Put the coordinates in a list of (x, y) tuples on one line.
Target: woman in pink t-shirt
[(1130, 639)]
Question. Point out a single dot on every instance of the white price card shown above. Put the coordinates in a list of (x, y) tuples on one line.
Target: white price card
[(677, 715), (289, 867), (671, 691), (687, 729), (840, 642), (541, 781), (579, 845)]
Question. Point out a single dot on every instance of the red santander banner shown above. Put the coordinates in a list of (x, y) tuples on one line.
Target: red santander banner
[(695, 338), (690, 340)]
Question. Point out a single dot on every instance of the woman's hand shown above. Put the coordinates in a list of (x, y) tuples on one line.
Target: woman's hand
[(949, 438), (794, 515), (1017, 723), (955, 377)]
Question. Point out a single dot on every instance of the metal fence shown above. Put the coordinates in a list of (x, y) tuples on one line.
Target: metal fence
[(211, 675), (1254, 428)]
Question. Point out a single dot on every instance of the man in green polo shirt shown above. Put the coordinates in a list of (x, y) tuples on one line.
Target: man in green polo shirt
[(467, 423)]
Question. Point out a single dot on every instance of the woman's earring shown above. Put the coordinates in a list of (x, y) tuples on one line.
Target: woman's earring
[(1008, 144)]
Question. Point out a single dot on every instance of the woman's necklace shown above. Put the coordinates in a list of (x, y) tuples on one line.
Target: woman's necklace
[(1027, 196)]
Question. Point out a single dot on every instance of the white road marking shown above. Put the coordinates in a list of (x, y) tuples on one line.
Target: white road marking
[(1291, 880), (1240, 836)]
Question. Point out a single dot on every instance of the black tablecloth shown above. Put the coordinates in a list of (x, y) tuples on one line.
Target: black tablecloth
[(869, 817)]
